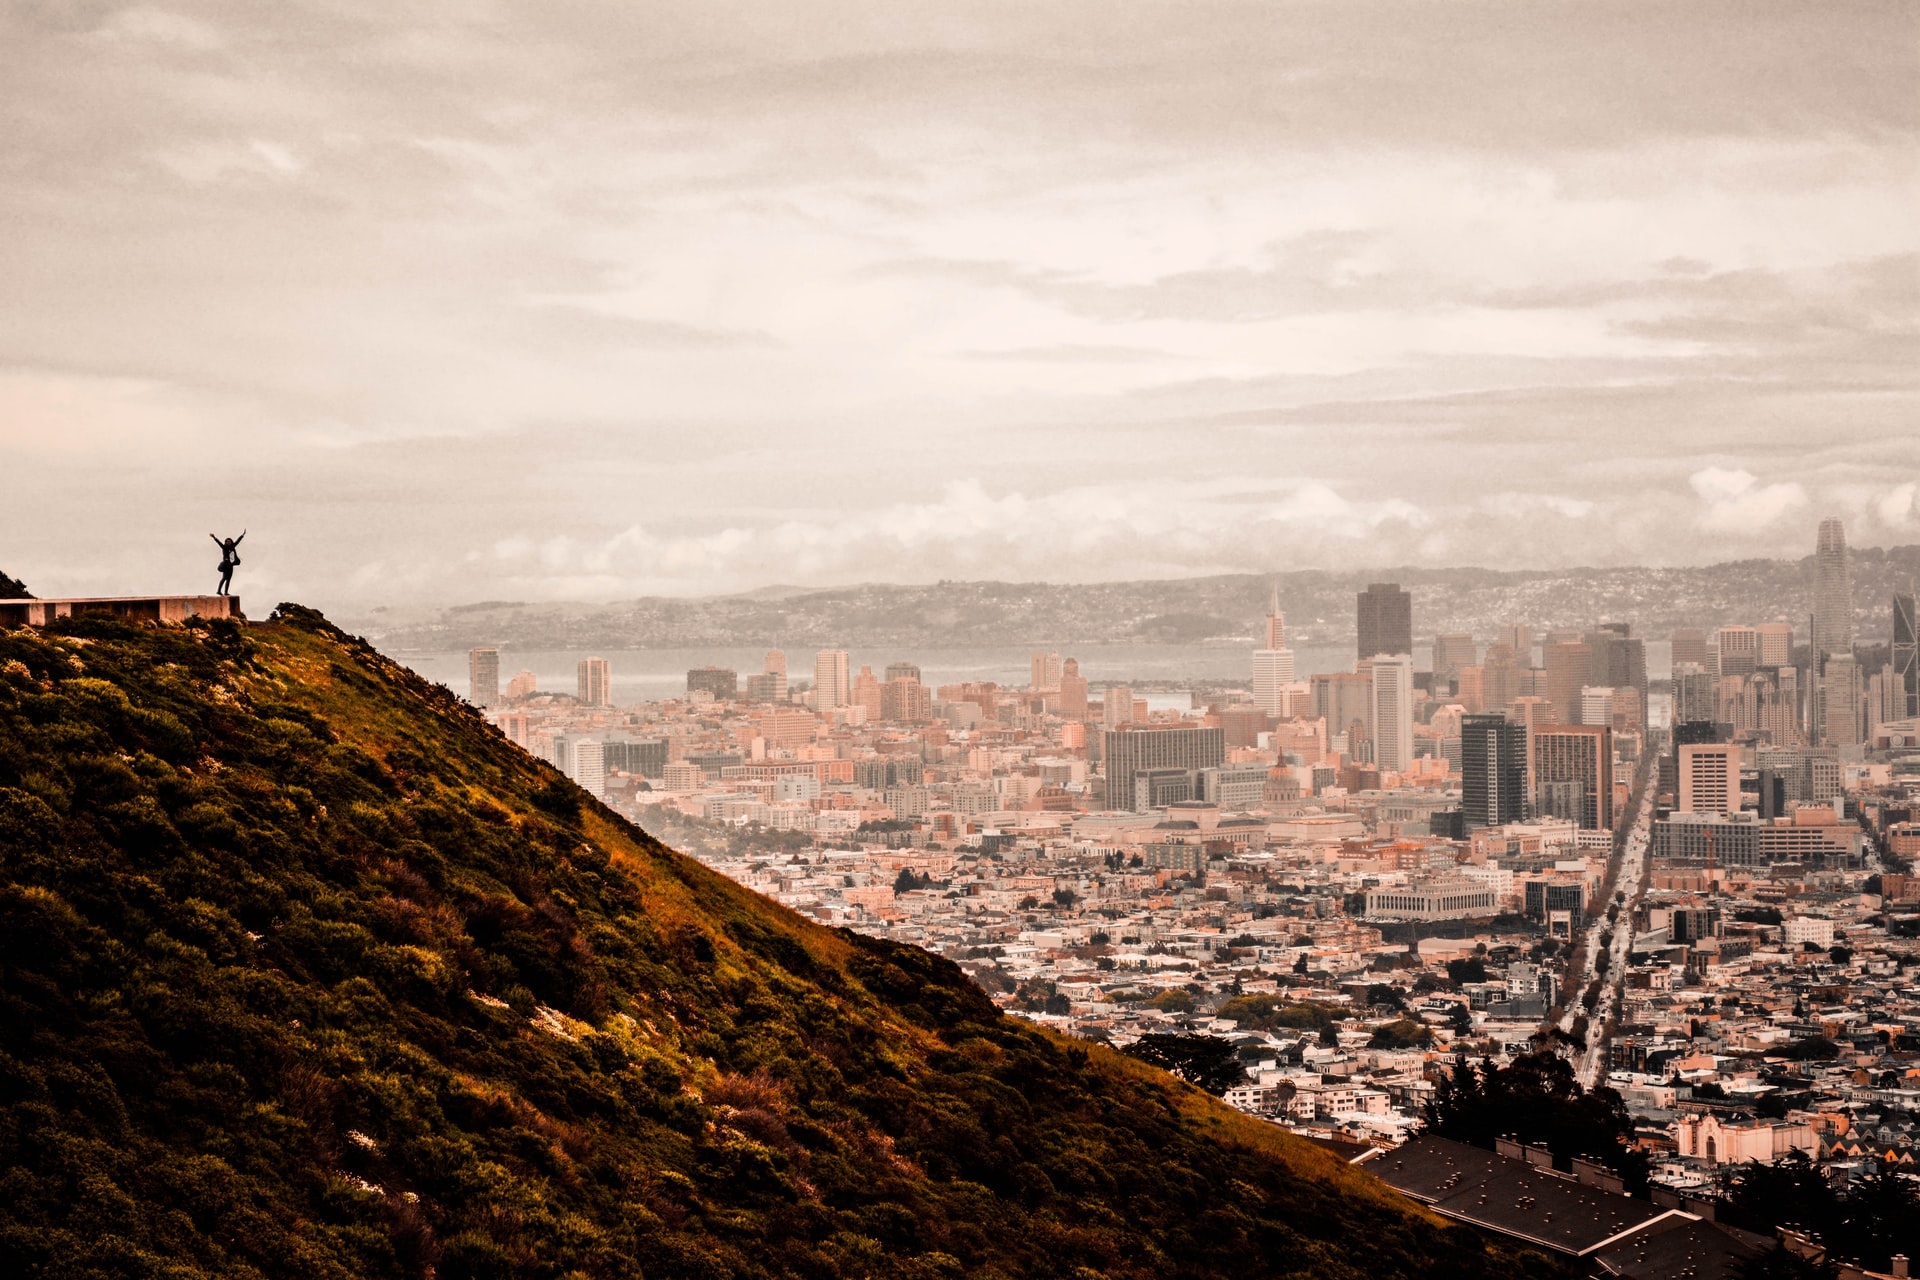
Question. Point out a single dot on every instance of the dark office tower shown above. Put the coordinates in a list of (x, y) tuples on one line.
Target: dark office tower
[(1906, 656), (1606, 652), (902, 671), (1619, 660), (1633, 654), (1832, 594), (1385, 618), (1493, 770), (1690, 731)]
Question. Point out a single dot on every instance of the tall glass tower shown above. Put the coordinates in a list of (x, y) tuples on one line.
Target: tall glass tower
[(1832, 593)]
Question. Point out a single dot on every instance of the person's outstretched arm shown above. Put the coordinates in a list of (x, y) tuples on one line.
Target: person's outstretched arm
[(242, 538), (216, 540)]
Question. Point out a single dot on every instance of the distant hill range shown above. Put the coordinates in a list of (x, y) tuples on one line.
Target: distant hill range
[(1223, 610)]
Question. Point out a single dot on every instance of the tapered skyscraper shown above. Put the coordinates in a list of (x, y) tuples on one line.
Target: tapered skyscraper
[(1273, 662), (1832, 594)]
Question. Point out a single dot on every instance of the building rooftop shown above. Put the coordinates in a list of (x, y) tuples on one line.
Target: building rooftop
[(1513, 1197), (38, 613)]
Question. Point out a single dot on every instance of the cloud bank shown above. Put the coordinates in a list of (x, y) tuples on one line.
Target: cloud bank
[(449, 302)]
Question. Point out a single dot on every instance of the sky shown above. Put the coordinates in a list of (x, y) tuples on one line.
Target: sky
[(559, 300)]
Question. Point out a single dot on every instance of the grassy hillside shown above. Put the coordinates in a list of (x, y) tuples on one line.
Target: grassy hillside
[(307, 972)]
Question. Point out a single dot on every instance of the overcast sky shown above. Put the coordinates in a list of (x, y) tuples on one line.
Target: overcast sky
[(566, 300)]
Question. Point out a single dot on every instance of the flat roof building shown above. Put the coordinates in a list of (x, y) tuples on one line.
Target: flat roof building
[(38, 613)]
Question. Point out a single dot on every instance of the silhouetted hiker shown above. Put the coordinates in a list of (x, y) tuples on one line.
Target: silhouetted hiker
[(229, 559)]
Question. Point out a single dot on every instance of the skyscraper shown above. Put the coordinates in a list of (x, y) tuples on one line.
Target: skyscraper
[(1073, 690), (1690, 646), (1276, 629), (1842, 697), (1341, 698), (832, 680), (1533, 714), (1694, 699), (1709, 778), (1272, 673), (483, 676), (1618, 660), (1385, 620), (1906, 656), (771, 684), (1739, 650), (1493, 770), (1569, 669), (595, 680), (1392, 710), (1832, 594), (1499, 677), (1046, 672), (587, 765), (1573, 774), (903, 698), (1776, 644), (1117, 706), (1450, 653), (865, 692)]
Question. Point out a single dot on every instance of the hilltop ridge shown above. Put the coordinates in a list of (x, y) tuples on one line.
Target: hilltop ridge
[(306, 971)]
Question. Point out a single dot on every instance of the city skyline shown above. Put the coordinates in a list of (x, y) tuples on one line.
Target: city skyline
[(585, 303), (979, 639)]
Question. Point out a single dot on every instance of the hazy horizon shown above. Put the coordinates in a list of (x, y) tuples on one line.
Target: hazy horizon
[(576, 301), (1386, 573)]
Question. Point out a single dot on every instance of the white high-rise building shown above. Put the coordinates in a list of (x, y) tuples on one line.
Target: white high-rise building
[(832, 679), (587, 765), (1392, 707), (1596, 705), (1272, 675)]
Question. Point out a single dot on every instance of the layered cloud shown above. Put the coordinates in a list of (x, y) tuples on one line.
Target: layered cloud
[(573, 298)]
